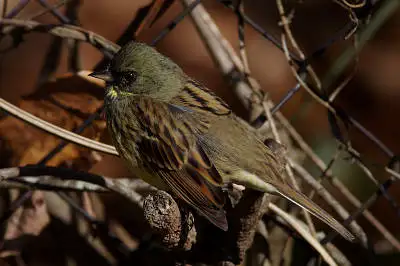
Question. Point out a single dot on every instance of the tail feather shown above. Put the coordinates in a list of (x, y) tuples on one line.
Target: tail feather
[(302, 201)]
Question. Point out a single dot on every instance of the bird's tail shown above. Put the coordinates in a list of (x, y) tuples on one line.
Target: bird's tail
[(302, 201)]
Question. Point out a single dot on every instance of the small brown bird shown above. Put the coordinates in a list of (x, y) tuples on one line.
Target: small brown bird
[(180, 137)]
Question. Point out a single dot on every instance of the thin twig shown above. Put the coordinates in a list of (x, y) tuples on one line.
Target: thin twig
[(3, 8), (303, 232), (355, 228), (151, 15), (352, 15), (55, 130), (175, 22), (328, 106), (220, 49), (288, 169), (285, 23), (61, 17), (74, 58), (352, 5), (349, 77), (336, 182), (124, 186), (300, 80), (63, 31), (386, 10), (382, 189), (49, 183), (259, 29), (50, 8), (256, 86), (17, 9)]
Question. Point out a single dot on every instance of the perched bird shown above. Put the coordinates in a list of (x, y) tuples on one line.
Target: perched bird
[(180, 137)]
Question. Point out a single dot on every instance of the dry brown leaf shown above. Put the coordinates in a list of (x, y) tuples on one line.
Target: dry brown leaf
[(66, 102)]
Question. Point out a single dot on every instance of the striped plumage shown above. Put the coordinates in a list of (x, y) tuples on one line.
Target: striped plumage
[(179, 136)]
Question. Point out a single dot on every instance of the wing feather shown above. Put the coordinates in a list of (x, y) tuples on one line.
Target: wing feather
[(170, 150), (197, 97)]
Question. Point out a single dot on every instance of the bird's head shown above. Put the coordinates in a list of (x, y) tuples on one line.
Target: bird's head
[(139, 70)]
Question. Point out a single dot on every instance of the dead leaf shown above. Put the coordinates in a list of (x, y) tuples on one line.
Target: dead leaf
[(66, 102)]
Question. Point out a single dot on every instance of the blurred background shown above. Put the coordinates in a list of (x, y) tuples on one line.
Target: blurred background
[(372, 96)]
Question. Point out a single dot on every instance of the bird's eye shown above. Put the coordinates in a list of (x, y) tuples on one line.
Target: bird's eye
[(126, 78), (130, 76)]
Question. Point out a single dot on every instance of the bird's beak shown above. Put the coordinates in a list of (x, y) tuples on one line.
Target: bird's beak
[(102, 74)]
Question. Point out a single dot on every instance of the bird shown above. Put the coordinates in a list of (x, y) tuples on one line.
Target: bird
[(179, 136)]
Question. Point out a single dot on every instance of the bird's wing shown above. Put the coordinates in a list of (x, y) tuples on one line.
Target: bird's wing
[(197, 98), (169, 148), (263, 161)]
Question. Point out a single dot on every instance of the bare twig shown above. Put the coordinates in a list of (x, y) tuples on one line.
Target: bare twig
[(254, 85), (287, 166), (61, 17), (151, 15), (334, 112), (175, 22), (221, 52), (17, 9), (63, 31), (349, 77), (386, 10), (336, 182), (55, 130), (126, 187), (337, 255), (303, 232), (49, 183), (285, 23), (74, 62), (300, 80), (355, 228), (3, 8), (352, 14), (348, 4), (50, 8), (259, 29)]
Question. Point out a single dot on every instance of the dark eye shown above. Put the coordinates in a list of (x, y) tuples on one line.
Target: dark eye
[(126, 78)]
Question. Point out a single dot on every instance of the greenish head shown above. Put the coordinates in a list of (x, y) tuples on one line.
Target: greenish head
[(138, 69)]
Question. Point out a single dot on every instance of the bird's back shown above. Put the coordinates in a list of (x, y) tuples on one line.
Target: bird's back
[(228, 140), (232, 145)]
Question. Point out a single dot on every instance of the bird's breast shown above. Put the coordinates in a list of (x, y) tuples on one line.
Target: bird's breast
[(124, 129)]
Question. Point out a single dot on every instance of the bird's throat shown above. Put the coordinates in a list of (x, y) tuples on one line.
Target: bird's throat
[(111, 93)]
